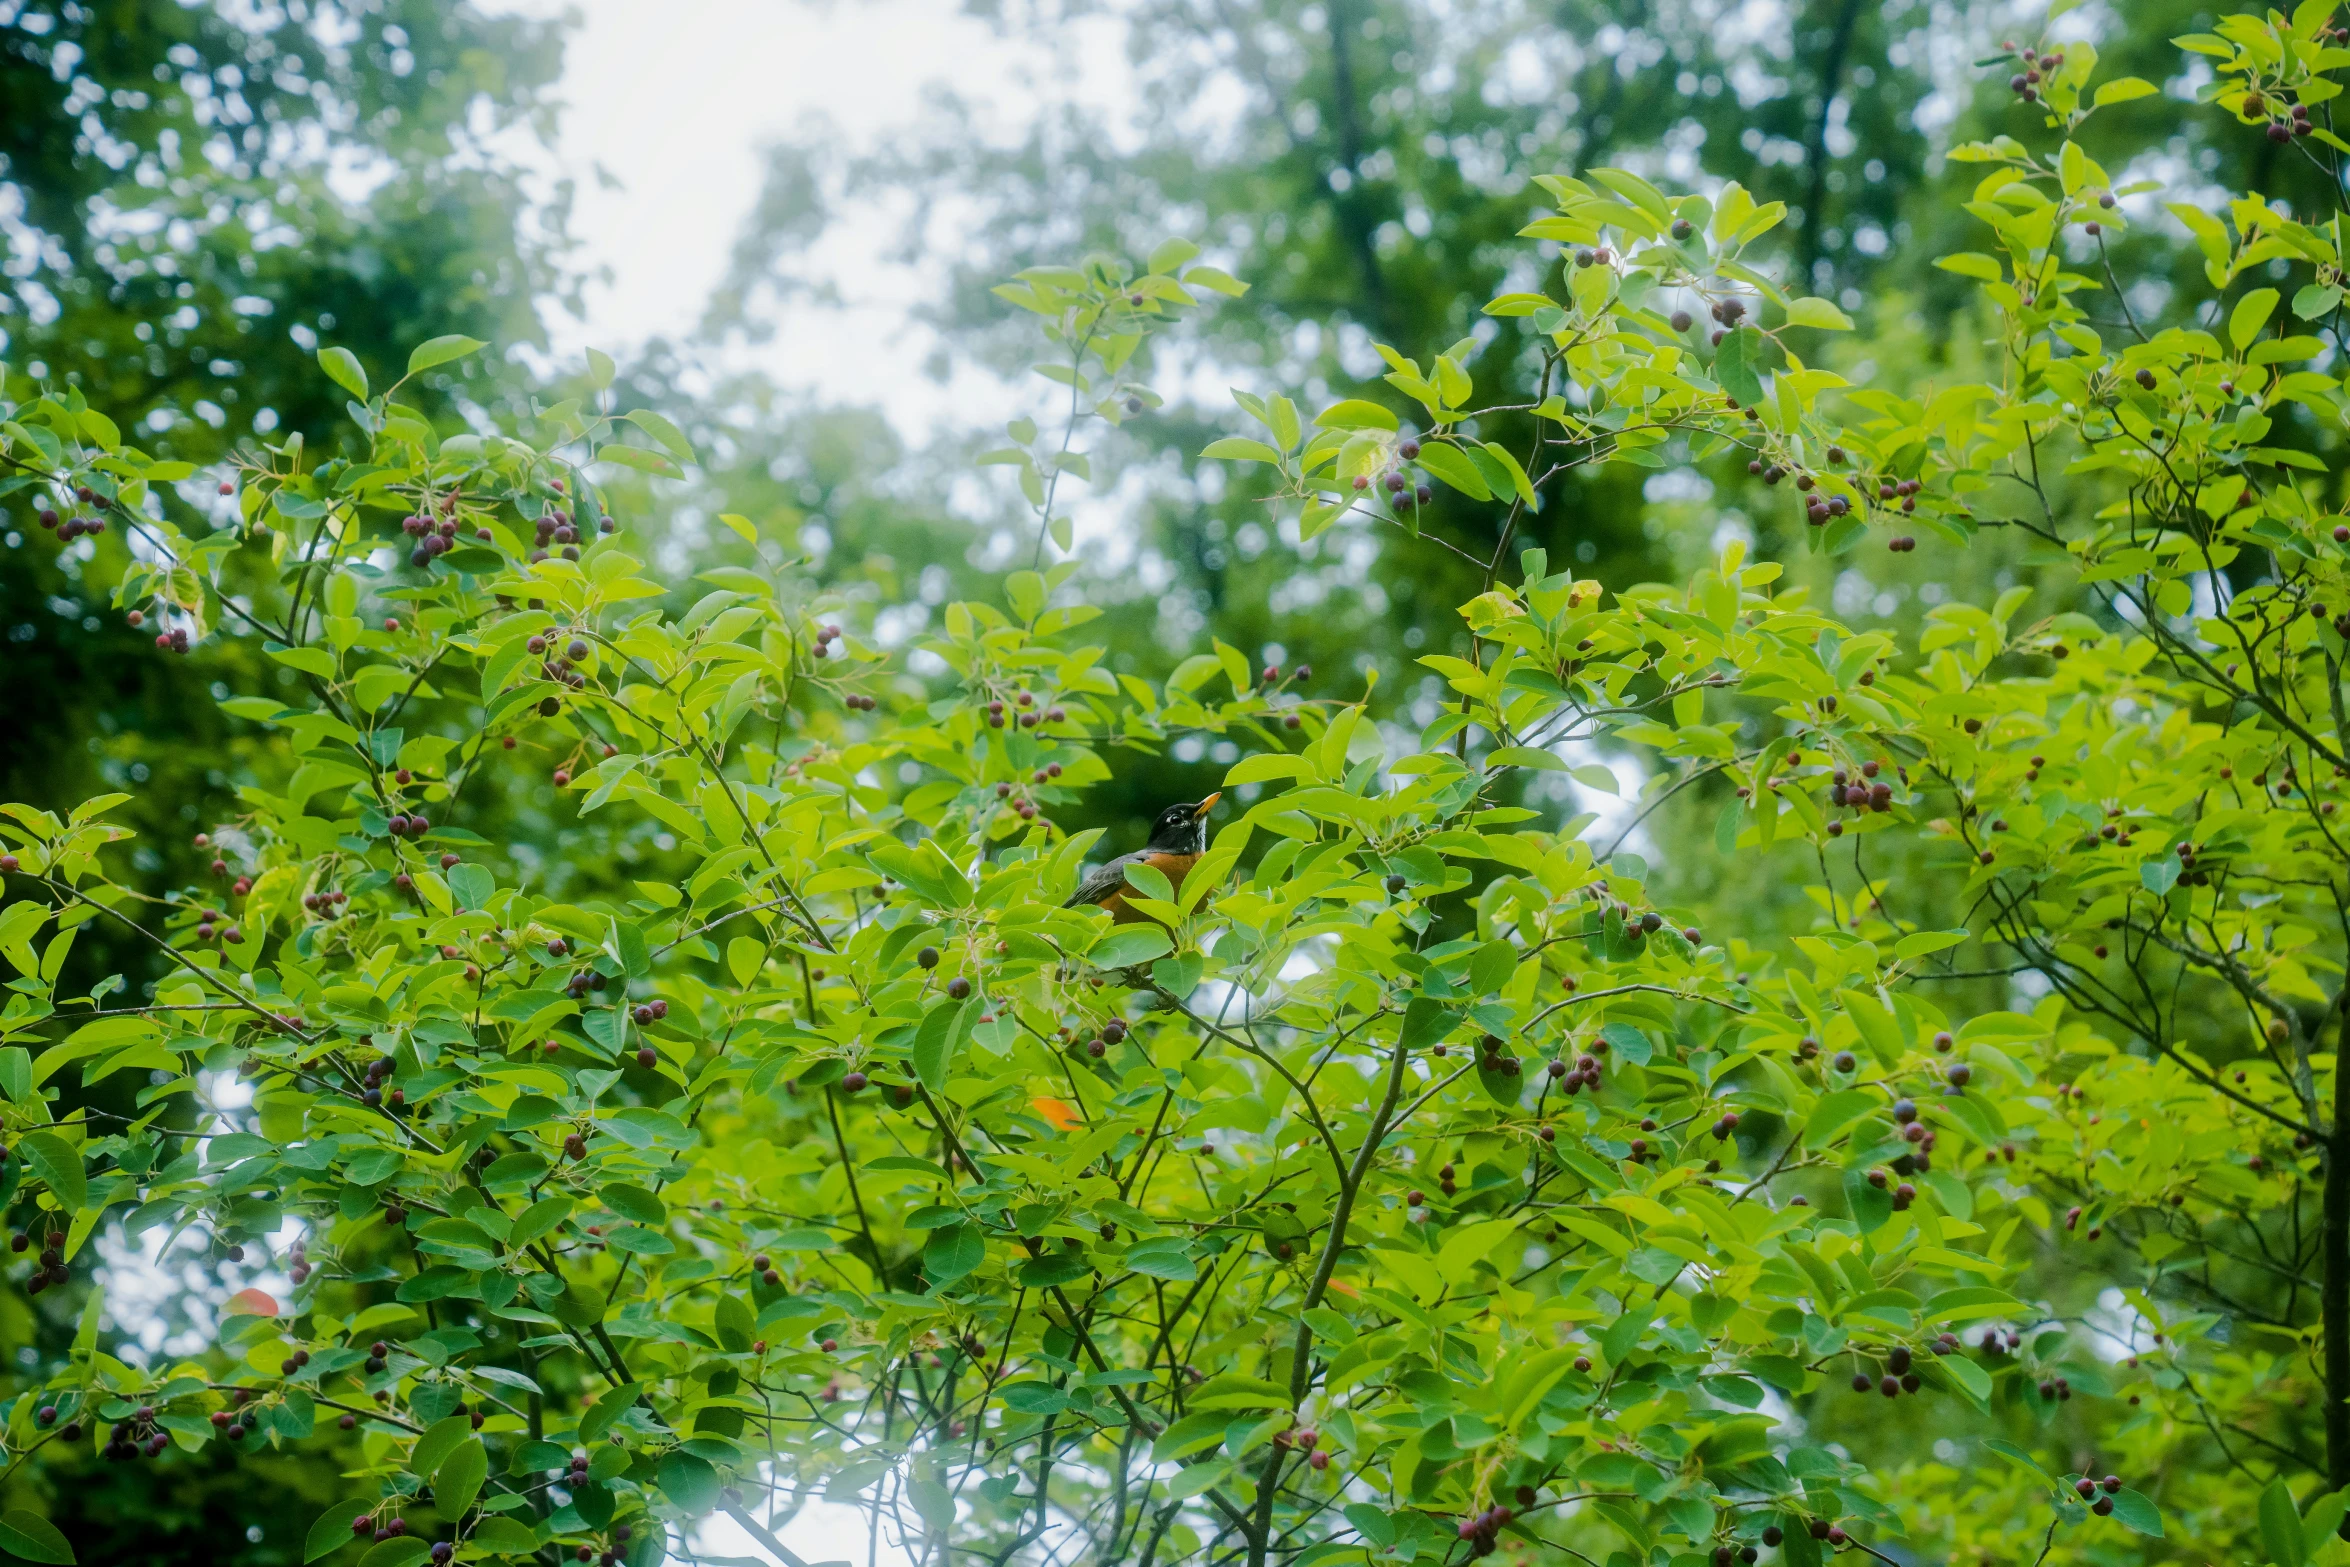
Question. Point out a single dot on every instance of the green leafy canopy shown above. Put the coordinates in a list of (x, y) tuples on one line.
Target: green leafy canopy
[(1398, 1181)]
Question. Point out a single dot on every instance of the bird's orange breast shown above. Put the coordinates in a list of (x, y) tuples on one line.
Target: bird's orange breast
[(1172, 866)]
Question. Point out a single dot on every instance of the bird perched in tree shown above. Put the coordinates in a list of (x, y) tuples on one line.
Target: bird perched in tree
[(1178, 838)]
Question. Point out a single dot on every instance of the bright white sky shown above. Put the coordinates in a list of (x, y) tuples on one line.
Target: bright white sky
[(674, 100)]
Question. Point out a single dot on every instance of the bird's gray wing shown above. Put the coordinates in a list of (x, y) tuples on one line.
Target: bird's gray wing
[(1099, 883)]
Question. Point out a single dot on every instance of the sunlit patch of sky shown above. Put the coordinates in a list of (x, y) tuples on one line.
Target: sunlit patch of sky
[(669, 110)]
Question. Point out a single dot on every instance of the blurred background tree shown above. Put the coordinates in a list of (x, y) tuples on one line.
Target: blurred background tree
[(190, 196), (195, 194)]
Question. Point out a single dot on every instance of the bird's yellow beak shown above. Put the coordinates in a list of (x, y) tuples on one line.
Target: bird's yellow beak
[(1207, 805)]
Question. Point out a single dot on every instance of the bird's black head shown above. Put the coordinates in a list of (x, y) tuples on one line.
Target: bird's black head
[(1183, 829)]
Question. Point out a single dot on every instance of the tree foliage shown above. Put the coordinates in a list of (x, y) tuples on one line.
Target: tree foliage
[(1402, 1183)]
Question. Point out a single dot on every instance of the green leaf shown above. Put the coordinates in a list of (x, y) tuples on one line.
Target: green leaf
[(1631, 1046), (1817, 312), (1500, 456), (1126, 945), (501, 1536), (1918, 943), (953, 1253), (406, 1551), (1163, 1257), (640, 459), (333, 1530), (1870, 1208), (2159, 875), (628, 944), (606, 1409), (471, 885), (439, 1440), (373, 1166), (56, 1162), (1241, 449), (1466, 1247), (1446, 462), (2122, 89), (1272, 764), (2250, 315), (2320, 1520), (309, 660), (36, 1539), (944, 1027), (1968, 1375), (1624, 1334), (441, 350), (634, 1202), (735, 1324), (539, 1219), (2136, 1512), (1734, 366), (2017, 1456), (691, 1483), (342, 368), (1215, 278), (661, 429), (1835, 1115), (459, 1479), (2313, 300), (2280, 1525), (1355, 414), (1969, 263), (1425, 1021), (1189, 1435)]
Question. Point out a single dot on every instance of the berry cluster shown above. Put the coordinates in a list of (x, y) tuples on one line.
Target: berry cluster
[(433, 537), (1095, 1044), (73, 526), (1024, 712), (368, 1527), (137, 1437), (1490, 1057), (1019, 803), (46, 1416), (1585, 1071), (1866, 793), (327, 905), (51, 1268), (210, 926), (1306, 1440), (2025, 84), (2295, 121), (558, 527), (1481, 1529), (378, 1070), (2098, 1493)]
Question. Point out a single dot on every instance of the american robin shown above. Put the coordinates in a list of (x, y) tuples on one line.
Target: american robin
[(1178, 838)]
